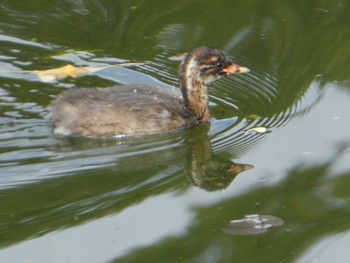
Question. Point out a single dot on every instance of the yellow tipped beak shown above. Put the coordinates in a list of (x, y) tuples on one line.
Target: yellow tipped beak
[(235, 69)]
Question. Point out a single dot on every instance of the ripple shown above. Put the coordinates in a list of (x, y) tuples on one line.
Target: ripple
[(259, 87), (27, 143), (15, 40), (255, 94)]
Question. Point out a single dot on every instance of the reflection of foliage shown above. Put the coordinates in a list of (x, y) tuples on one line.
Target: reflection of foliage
[(67, 201), (72, 200), (290, 42), (307, 210)]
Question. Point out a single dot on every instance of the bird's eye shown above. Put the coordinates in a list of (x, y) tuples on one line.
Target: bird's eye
[(219, 65)]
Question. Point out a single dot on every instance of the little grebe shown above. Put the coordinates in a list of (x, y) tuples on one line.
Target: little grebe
[(140, 109)]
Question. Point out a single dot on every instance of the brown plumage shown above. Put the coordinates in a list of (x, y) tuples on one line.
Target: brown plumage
[(140, 109)]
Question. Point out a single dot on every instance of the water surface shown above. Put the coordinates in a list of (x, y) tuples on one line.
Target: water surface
[(168, 198)]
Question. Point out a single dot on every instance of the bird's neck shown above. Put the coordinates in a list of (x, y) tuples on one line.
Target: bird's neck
[(195, 94)]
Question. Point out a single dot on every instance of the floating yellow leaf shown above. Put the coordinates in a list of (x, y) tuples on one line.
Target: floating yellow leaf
[(258, 130), (69, 70), (60, 73)]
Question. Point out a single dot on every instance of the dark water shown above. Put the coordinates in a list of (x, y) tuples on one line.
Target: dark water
[(171, 198)]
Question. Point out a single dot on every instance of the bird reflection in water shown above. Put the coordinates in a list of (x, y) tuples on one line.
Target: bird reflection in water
[(206, 169)]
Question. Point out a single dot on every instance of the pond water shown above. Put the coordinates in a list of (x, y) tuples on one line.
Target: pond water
[(274, 156)]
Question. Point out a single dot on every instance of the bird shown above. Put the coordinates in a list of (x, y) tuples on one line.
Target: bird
[(139, 109)]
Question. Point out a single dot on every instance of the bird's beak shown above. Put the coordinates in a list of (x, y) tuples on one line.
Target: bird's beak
[(235, 69)]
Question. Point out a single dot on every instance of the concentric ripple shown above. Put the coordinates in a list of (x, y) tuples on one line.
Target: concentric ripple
[(253, 100), (29, 152)]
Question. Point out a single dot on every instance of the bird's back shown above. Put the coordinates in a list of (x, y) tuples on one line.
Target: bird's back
[(120, 110)]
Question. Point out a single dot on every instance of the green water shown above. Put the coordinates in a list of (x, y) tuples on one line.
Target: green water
[(169, 198)]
